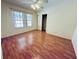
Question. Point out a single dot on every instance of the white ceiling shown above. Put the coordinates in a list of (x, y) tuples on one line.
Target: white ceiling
[(25, 3), (28, 3)]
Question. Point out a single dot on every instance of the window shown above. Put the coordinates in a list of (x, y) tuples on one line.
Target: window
[(21, 19), (29, 20)]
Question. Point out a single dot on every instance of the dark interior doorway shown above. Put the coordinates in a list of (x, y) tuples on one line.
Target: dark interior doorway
[(44, 19)]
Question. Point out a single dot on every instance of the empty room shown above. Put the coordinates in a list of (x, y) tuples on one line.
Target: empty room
[(39, 29)]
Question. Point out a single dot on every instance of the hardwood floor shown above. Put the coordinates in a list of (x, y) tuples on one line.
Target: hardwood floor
[(37, 45)]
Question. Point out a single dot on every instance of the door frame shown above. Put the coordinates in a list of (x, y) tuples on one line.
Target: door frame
[(43, 21)]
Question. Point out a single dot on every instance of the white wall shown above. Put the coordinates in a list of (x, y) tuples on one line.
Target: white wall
[(7, 28), (74, 40), (61, 18)]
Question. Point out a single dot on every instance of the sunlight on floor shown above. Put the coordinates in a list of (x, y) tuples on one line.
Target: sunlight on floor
[(23, 42)]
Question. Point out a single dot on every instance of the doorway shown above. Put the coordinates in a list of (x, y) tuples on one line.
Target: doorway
[(44, 19)]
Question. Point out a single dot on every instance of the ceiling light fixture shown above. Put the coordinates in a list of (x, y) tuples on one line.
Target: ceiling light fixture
[(37, 6), (33, 7)]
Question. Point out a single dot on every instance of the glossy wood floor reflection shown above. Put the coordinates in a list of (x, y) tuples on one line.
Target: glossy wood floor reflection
[(37, 45)]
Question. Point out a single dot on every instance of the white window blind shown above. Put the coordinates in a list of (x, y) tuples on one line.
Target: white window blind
[(29, 20), (21, 19)]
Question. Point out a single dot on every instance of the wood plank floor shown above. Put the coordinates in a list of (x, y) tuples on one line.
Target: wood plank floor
[(37, 45)]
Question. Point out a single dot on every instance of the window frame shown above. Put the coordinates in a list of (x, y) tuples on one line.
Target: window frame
[(23, 19)]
